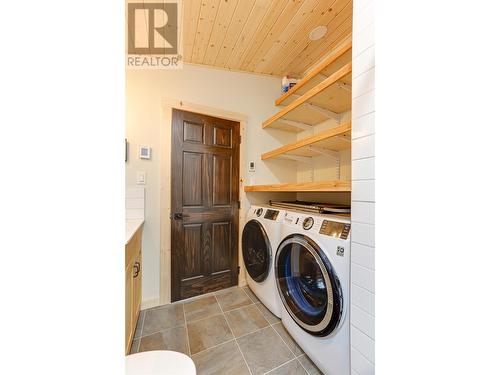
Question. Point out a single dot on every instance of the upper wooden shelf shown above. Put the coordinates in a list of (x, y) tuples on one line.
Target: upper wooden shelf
[(324, 101), (320, 186), (334, 139), (340, 57)]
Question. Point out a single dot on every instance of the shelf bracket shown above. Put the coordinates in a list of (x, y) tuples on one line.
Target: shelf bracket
[(300, 159), (324, 111), (344, 86), (297, 124), (344, 138), (324, 151), (330, 153)]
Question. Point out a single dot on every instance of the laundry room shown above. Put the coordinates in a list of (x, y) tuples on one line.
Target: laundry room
[(232, 143), (250, 188)]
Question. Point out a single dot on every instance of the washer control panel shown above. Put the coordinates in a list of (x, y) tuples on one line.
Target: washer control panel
[(335, 229), (258, 212)]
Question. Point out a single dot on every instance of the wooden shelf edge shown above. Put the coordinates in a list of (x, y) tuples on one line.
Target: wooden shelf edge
[(313, 73), (342, 72), (320, 186), (329, 133)]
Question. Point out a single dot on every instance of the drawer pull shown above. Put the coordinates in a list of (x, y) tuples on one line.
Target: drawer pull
[(137, 269)]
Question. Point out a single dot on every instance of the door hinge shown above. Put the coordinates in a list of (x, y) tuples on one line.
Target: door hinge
[(240, 139), (238, 270), (239, 205)]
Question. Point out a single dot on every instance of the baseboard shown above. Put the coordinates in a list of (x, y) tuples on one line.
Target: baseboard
[(147, 304)]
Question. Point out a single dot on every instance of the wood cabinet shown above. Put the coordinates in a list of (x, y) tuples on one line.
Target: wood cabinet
[(133, 286)]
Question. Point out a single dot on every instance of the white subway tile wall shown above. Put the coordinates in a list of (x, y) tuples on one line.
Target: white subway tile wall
[(134, 203), (363, 191)]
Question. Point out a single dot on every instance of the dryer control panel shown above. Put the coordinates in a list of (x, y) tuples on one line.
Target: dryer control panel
[(271, 214), (335, 229)]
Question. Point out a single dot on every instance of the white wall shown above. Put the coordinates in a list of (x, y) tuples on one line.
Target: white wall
[(247, 94), (363, 191)]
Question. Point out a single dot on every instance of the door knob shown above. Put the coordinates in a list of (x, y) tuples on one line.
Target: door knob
[(179, 216)]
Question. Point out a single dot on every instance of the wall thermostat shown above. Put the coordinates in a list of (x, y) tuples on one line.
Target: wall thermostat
[(145, 152), (251, 166)]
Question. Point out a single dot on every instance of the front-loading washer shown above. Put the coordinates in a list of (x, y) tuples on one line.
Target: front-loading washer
[(260, 240), (312, 270)]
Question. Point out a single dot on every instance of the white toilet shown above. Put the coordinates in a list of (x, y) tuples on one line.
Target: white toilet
[(159, 362)]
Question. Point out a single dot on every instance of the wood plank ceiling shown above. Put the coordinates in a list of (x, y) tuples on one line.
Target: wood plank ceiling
[(262, 36)]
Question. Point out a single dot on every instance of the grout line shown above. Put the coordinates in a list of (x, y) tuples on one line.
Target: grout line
[(186, 329), (206, 317), (279, 321), (364, 356), (142, 329), (291, 351), (291, 360), (248, 295), (238, 345), (162, 330), (362, 287), (215, 346), (362, 309), (257, 330), (221, 312), (303, 355)]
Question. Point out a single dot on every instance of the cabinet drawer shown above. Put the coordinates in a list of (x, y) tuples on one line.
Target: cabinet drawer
[(133, 248)]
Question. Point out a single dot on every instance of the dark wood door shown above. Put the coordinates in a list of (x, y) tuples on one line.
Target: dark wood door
[(205, 189)]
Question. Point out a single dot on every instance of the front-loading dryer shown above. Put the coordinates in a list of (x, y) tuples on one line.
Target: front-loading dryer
[(260, 240), (312, 277)]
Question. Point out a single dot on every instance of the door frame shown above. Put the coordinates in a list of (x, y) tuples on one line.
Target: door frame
[(165, 186)]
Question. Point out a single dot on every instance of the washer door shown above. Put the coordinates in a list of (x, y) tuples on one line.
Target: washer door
[(256, 250), (308, 285)]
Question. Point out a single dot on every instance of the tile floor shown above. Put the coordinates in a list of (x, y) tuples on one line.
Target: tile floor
[(227, 332)]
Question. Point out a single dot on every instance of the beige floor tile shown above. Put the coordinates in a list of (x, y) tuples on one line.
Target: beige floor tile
[(140, 323), (309, 365), (250, 294), (135, 346), (171, 339), (289, 341), (201, 308), (205, 333), (225, 359), (245, 320), (270, 317), (232, 299), (161, 318), (264, 350)]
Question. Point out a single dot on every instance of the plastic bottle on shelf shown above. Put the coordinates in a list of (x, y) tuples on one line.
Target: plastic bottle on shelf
[(287, 83)]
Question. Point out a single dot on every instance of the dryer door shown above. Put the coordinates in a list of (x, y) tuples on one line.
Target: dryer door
[(308, 285), (256, 250)]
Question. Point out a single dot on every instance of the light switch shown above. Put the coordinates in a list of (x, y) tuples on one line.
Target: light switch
[(141, 178), (251, 166)]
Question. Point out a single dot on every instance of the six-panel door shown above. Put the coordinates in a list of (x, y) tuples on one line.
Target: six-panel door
[(205, 181)]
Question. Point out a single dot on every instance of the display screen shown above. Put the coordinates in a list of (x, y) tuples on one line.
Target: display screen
[(335, 229), (271, 214)]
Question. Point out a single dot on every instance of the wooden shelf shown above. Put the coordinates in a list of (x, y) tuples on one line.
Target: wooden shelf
[(340, 57), (326, 100), (321, 186), (334, 139)]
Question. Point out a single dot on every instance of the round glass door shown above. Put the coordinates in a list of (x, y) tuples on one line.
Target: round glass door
[(256, 250), (308, 285)]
